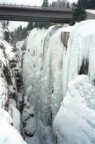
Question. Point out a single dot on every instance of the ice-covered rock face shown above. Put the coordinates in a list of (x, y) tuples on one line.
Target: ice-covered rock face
[(8, 69), (75, 121), (42, 73), (47, 71), (10, 80), (80, 53)]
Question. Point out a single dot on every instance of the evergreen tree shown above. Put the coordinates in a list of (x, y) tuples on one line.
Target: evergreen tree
[(45, 3), (5, 23), (59, 4), (68, 6), (91, 4), (79, 13), (30, 26), (83, 4), (24, 33), (18, 34), (42, 24), (53, 4)]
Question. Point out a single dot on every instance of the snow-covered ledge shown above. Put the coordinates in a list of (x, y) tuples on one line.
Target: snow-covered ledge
[(8, 134)]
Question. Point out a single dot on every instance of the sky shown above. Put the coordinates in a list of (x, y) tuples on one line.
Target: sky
[(30, 2)]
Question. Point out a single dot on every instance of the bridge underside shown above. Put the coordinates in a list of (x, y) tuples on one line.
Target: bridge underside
[(34, 19), (34, 14)]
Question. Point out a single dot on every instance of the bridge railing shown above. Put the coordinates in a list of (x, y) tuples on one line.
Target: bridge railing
[(18, 5), (30, 6)]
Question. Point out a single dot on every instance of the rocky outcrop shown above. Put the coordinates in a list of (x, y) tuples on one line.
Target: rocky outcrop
[(10, 78), (11, 98)]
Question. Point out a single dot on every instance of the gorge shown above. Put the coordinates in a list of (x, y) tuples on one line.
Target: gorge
[(49, 88)]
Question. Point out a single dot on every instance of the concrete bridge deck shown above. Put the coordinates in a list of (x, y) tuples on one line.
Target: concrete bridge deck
[(35, 14)]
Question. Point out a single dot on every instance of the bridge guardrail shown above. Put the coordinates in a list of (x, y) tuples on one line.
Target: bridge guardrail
[(18, 5), (30, 6)]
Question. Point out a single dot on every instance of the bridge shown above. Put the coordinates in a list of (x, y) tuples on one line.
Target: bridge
[(34, 14)]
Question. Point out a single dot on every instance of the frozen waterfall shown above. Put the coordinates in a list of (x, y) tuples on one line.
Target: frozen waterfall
[(59, 102), (42, 72)]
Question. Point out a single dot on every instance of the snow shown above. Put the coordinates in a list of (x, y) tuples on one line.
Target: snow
[(30, 129), (32, 140), (8, 92), (6, 54), (8, 134), (30, 125), (3, 92), (5, 45), (90, 11), (67, 29), (75, 121), (81, 47), (9, 50), (30, 59), (1, 32), (5, 115), (42, 75), (19, 46), (14, 25), (16, 116), (55, 94)]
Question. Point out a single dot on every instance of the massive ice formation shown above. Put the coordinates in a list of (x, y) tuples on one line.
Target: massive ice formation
[(80, 53), (42, 72), (75, 121), (59, 113)]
